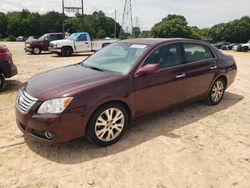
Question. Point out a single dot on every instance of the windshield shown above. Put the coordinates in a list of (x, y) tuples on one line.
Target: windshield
[(117, 57), (43, 37), (72, 36)]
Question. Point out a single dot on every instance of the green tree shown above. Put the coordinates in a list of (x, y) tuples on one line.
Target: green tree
[(172, 26), (3, 24), (136, 32), (101, 34)]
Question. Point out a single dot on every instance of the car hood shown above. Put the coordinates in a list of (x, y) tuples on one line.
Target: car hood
[(66, 81), (63, 41), (33, 41)]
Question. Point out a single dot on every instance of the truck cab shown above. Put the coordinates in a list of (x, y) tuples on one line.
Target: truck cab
[(77, 43), (245, 47), (36, 46)]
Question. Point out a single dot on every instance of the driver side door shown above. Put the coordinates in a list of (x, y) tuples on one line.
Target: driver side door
[(82, 44), (166, 88)]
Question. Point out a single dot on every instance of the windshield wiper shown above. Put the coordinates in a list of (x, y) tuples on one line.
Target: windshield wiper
[(94, 68)]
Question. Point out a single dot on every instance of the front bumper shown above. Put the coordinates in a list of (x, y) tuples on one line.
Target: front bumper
[(28, 49), (55, 50), (64, 127)]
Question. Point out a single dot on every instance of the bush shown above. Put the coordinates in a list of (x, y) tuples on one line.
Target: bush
[(101, 34), (11, 38)]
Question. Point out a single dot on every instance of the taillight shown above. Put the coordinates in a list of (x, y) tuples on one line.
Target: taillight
[(4, 53)]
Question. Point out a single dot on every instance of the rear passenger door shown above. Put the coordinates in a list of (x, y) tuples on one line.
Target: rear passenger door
[(201, 66)]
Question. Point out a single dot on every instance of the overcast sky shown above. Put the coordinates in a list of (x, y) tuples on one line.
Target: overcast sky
[(201, 13)]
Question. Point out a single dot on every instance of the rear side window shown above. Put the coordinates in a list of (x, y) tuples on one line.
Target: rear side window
[(197, 52)]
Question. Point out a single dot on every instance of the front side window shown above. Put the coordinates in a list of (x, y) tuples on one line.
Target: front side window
[(167, 56), (82, 37), (117, 57), (197, 52)]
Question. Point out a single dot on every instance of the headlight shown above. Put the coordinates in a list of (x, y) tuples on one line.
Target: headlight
[(54, 106), (28, 45)]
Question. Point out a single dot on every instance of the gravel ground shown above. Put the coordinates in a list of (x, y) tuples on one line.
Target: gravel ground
[(193, 146)]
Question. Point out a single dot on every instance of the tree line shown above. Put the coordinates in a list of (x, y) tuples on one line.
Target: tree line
[(13, 24), (237, 31), (26, 23)]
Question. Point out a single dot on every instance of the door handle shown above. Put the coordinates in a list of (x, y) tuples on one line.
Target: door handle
[(181, 75), (213, 67)]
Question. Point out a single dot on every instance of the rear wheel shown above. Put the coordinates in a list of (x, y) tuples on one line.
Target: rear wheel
[(217, 92), (66, 51), (36, 50), (2, 81), (107, 124)]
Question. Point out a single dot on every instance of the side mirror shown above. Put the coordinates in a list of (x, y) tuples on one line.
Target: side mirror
[(149, 69)]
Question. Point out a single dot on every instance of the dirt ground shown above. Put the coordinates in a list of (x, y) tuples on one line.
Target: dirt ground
[(193, 146)]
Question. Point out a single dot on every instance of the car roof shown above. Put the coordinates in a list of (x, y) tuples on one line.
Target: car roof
[(157, 41)]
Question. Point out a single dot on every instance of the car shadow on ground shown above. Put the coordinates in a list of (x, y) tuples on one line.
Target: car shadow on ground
[(11, 86), (159, 124)]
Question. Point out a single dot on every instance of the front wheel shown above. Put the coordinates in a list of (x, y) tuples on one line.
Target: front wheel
[(217, 92), (36, 50), (245, 49), (66, 51), (107, 124), (2, 81)]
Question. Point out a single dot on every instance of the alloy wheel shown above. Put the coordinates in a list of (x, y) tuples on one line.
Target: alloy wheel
[(217, 91), (109, 124)]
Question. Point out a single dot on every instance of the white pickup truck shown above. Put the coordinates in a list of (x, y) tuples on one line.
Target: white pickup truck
[(77, 43), (245, 47)]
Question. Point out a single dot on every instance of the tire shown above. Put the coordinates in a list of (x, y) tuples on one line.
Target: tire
[(66, 51), (107, 127), (36, 50), (2, 81), (217, 92), (245, 49)]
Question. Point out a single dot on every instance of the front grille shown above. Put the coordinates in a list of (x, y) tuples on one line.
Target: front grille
[(24, 101)]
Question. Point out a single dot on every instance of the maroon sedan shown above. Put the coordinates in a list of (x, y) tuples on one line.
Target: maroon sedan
[(97, 98), (7, 68)]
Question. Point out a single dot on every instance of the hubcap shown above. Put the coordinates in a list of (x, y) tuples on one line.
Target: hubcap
[(109, 124), (217, 91), (36, 50)]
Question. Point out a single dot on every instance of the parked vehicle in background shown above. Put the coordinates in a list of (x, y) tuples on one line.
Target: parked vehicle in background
[(36, 46), (245, 47), (98, 97), (220, 44), (77, 43), (21, 38), (7, 68), (228, 47), (237, 48)]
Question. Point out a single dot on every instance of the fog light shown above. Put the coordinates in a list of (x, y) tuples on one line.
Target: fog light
[(49, 135)]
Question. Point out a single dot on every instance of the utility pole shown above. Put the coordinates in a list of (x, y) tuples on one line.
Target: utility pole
[(63, 28), (74, 9), (82, 17), (115, 26)]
